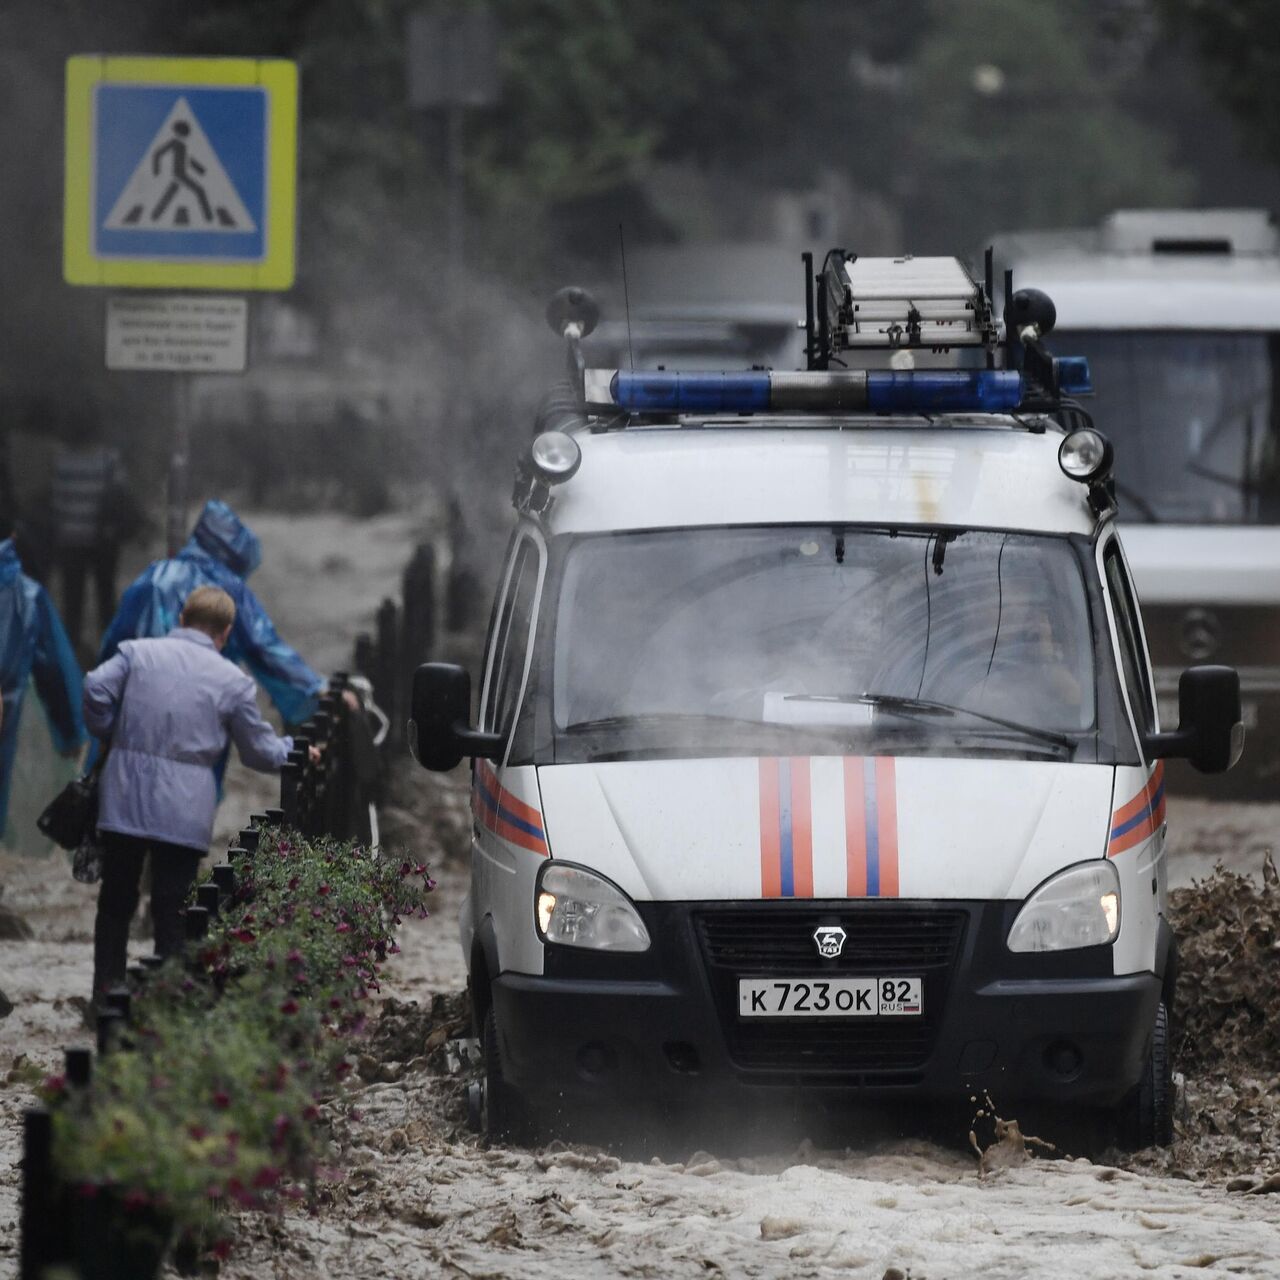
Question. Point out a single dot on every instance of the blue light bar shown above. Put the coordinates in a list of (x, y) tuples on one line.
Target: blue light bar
[(948, 391), (661, 391), (917, 392), (1074, 378)]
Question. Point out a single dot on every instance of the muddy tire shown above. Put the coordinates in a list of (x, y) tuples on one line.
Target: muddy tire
[(1145, 1117), (501, 1114)]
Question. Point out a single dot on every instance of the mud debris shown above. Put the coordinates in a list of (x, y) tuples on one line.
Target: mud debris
[(1227, 1031), (1228, 995), (406, 1031), (775, 1228)]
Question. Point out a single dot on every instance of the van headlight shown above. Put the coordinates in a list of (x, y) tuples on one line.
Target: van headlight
[(1078, 907), (578, 908)]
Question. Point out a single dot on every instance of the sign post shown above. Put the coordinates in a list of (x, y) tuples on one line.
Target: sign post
[(180, 173), (453, 65)]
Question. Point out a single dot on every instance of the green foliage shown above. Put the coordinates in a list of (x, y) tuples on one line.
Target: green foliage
[(595, 89), (1046, 144), (218, 1097), (1239, 42)]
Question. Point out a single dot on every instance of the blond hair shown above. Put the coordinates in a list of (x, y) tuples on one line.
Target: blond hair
[(208, 609)]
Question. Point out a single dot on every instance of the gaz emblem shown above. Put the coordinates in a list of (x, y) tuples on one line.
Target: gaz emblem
[(830, 939)]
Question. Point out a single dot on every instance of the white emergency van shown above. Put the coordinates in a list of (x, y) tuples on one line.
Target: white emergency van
[(817, 746)]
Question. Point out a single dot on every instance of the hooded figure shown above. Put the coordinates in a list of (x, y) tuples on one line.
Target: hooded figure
[(221, 552), (33, 645)]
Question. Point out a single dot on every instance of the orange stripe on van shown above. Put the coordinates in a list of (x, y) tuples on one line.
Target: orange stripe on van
[(1140, 818), (770, 829), (801, 828)]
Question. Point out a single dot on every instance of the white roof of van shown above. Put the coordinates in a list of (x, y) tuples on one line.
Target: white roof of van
[(973, 473), (1155, 269)]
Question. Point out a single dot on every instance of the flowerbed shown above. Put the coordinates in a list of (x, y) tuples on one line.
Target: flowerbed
[(232, 1053)]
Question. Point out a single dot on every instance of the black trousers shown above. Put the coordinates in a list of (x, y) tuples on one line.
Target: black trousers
[(75, 565), (173, 872)]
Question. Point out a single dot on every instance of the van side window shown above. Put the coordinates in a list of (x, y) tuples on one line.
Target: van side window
[(511, 640), (1137, 677)]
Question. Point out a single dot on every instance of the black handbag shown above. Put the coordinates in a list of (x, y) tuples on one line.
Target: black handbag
[(71, 817)]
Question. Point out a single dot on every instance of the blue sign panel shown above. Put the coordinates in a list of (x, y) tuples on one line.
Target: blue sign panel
[(180, 172)]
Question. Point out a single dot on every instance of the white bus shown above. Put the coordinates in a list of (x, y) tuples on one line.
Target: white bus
[(1178, 312)]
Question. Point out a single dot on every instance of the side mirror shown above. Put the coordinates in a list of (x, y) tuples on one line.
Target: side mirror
[(1210, 731), (440, 731)]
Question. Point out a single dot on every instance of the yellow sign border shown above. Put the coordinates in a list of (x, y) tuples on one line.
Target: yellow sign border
[(81, 266)]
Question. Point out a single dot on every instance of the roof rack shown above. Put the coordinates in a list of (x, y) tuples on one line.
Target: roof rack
[(920, 333)]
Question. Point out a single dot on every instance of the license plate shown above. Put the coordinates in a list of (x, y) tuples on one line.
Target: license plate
[(829, 998)]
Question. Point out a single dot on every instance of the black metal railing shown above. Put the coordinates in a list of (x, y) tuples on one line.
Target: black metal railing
[(336, 795)]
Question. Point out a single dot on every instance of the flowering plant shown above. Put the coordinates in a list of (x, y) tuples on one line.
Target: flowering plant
[(233, 1051)]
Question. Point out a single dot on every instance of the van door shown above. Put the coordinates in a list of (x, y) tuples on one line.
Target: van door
[(508, 833), (1136, 838)]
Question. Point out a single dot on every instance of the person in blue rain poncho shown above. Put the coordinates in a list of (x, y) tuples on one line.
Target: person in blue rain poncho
[(33, 646), (221, 552)]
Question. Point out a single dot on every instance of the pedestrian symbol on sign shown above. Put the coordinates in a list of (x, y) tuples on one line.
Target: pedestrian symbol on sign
[(180, 172), (179, 184)]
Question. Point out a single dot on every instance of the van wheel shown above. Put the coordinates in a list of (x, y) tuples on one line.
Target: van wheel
[(1146, 1115), (500, 1113)]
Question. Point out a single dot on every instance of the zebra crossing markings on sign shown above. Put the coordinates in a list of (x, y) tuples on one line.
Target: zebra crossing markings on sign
[(180, 184), (180, 172)]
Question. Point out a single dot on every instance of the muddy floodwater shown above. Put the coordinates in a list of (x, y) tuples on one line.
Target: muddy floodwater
[(420, 1196)]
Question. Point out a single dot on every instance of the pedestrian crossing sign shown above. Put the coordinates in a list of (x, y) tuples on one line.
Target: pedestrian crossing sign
[(180, 172)]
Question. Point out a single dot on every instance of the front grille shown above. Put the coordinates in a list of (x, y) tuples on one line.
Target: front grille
[(882, 940)]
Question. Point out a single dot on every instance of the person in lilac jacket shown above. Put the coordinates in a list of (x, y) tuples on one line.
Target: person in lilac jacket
[(167, 707)]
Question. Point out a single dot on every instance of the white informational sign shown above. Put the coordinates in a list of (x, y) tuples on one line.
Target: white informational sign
[(177, 334)]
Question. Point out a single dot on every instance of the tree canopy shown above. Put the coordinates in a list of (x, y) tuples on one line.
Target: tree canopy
[(1239, 44)]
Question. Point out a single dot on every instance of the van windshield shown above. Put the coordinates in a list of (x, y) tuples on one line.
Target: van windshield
[(1195, 420), (860, 637)]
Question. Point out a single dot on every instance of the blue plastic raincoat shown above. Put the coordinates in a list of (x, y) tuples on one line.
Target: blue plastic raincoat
[(33, 646), (221, 552)]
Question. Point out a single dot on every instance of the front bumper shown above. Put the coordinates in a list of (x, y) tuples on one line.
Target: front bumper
[(603, 1029)]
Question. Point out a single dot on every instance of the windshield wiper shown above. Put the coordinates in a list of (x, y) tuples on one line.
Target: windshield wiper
[(898, 702), (667, 717)]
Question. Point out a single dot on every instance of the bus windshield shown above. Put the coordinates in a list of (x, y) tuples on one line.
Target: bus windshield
[(1194, 419)]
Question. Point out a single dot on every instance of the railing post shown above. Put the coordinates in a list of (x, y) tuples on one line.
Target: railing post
[(209, 896), (37, 1223), (304, 793), (417, 620), (79, 1066), (197, 924), (223, 875), (327, 736), (386, 680), (109, 1023), (119, 999), (290, 788), (363, 658)]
